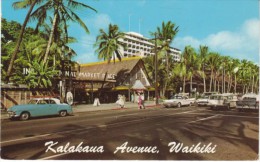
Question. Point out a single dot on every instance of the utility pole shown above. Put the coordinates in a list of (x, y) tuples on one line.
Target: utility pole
[(156, 71)]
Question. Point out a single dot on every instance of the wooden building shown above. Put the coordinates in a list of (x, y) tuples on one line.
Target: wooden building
[(101, 80)]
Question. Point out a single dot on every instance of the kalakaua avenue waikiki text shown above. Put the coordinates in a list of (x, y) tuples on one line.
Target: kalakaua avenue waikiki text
[(174, 147)]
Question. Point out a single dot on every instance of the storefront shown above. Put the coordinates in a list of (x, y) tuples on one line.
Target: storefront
[(107, 80), (101, 80)]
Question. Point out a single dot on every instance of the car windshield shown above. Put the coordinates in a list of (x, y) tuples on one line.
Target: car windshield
[(215, 97), (177, 97), (32, 102), (205, 97)]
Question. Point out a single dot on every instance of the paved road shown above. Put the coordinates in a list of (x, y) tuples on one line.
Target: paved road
[(202, 134)]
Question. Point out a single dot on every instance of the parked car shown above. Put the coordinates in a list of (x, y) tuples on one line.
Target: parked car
[(178, 101), (203, 101), (39, 107), (226, 100), (249, 101)]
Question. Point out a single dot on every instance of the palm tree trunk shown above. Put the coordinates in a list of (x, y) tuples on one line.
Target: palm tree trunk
[(204, 78), (204, 83), (190, 84), (253, 84), (215, 83), (19, 41), (211, 78), (230, 86), (218, 86), (235, 88), (50, 38), (184, 82)]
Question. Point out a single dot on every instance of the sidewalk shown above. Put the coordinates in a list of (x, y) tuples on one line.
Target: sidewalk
[(108, 106), (89, 107)]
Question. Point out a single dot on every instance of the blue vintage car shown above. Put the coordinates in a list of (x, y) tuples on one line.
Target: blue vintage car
[(39, 107)]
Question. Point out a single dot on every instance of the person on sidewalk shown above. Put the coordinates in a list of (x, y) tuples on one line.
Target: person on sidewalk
[(120, 101), (141, 101), (96, 102), (142, 97)]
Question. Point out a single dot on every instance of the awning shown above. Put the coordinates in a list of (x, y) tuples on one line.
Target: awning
[(94, 89), (151, 89), (118, 88)]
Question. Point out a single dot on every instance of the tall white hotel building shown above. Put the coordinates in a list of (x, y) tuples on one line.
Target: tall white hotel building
[(138, 45)]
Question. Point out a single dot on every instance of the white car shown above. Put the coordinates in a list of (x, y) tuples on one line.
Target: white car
[(203, 101), (226, 100), (178, 101), (249, 101)]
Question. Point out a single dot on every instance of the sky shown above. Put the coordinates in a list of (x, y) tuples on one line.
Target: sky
[(229, 27)]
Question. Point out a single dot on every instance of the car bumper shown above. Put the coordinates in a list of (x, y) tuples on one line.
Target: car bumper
[(202, 103), (12, 114), (169, 104)]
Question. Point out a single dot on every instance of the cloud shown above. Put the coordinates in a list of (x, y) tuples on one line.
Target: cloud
[(86, 51), (101, 21), (185, 41), (242, 44)]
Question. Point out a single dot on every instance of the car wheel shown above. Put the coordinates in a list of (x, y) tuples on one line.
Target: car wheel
[(179, 104), (63, 113), (24, 116)]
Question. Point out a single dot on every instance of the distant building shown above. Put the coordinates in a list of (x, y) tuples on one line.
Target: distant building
[(138, 45)]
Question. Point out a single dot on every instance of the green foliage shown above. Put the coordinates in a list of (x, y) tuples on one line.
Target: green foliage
[(40, 76), (108, 44), (31, 51)]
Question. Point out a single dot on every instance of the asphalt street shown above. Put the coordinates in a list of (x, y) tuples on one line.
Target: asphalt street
[(156, 133)]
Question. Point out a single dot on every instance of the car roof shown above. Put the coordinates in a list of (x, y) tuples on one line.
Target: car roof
[(55, 99), (224, 94), (251, 95)]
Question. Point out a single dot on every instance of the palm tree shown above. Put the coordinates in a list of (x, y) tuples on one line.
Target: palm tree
[(166, 35), (181, 70), (19, 5), (61, 39), (236, 63), (63, 11), (108, 44), (203, 54), (191, 62), (213, 59)]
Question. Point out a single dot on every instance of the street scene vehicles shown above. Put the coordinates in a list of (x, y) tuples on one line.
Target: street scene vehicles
[(203, 101), (39, 107), (249, 101), (226, 100), (178, 101)]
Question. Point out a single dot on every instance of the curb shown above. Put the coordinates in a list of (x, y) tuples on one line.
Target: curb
[(81, 110)]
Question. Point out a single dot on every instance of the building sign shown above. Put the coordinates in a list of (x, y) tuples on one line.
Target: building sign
[(80, 75)]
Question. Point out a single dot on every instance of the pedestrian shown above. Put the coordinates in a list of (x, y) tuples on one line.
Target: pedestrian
[(139, 101), (96, 102), (132, 98), (120, 101), (142, 97)]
